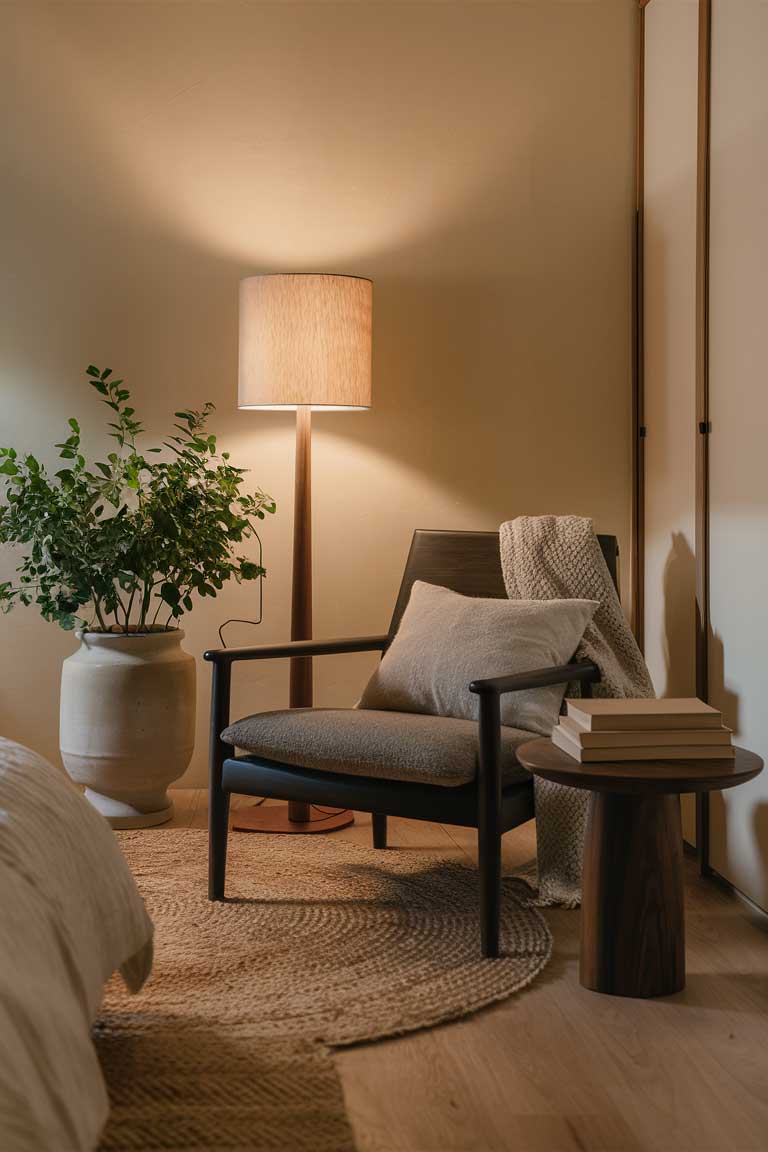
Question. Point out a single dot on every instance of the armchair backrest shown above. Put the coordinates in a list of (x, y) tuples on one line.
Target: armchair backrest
[(467, 562)]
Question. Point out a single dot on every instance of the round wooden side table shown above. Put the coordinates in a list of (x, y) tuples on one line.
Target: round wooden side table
[(632, 920)]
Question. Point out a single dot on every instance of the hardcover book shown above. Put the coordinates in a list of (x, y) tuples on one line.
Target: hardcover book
[(561, 739), (643, 715), (644, 738)]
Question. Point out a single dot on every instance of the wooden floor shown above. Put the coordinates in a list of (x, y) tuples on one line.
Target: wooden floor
[(560, 1069)]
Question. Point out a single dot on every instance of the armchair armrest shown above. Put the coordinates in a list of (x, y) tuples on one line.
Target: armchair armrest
[(583, 670), (489, 790), (294, 648)]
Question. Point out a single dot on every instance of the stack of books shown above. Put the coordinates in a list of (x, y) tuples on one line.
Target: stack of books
[(596, 730)]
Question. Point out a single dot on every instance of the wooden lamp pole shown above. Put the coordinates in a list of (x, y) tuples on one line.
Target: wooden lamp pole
[(301, 587), (304, 342), (300, 692)]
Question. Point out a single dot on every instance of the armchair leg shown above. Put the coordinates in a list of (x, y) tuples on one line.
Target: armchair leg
[(218, 799), (218, 826), (489, 853), (488, 823), (379, 830)]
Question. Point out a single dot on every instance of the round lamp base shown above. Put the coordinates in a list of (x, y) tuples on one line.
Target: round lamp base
[(275, 819)]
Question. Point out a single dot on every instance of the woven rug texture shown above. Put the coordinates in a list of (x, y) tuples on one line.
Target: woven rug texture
[(320, 943)]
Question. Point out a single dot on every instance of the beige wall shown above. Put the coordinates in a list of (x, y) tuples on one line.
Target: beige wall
[(739, 410), (738, 397), (671, 64), (476, 160)]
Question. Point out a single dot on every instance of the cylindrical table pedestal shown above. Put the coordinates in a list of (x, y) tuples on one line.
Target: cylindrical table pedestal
[(632, 919), (632, 932)]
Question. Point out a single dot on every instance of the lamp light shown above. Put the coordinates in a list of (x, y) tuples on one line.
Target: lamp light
[(305, 343)]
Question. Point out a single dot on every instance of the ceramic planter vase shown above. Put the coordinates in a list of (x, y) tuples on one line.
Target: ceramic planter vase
[(127, 722)]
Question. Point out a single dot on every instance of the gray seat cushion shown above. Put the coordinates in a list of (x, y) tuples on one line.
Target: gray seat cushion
[(365, 742)]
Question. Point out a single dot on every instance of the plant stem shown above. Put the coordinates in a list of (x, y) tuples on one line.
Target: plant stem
[(130, 608), (145, 599), (99, 616), (121, 606)]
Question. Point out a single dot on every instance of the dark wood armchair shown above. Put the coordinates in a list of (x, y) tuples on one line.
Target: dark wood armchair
[(467, 562)]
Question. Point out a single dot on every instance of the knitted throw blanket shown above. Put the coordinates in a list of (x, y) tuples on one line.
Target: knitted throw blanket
[(559, 557)]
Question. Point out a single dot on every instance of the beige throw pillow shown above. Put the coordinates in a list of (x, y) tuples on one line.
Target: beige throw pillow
[(446, 640)]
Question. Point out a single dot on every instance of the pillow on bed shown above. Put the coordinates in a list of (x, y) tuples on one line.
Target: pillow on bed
[(72, 916), (446, 640)]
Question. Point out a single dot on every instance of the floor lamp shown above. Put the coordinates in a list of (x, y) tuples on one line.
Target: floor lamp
[(305, 343)]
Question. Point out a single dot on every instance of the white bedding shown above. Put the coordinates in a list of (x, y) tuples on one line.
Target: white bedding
[(70, 915)]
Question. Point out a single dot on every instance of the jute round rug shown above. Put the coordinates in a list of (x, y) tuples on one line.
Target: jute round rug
[(319, 943)]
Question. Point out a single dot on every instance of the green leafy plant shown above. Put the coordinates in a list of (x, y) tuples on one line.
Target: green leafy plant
[(125, 544)]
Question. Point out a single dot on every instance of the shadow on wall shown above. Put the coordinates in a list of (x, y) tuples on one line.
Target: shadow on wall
[(730, 704), (679, 620), (729, 701), (680, 634)]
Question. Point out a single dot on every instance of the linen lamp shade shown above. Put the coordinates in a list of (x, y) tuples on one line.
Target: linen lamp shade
[(305, 339)]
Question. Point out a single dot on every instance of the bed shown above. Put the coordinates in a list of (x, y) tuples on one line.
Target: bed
[(70, 917)]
